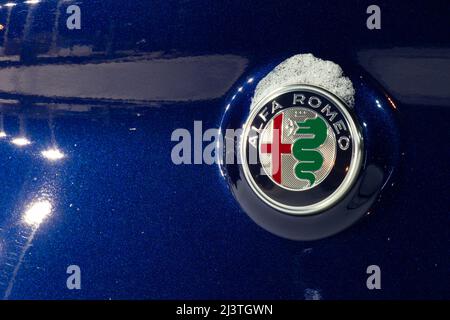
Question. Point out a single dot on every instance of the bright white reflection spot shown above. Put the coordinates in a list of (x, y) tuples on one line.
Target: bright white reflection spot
[(32, 1), (21, 141), (10, 4), (250, 80), (378, 103), (52, 154), (37, 212), (3, 134)]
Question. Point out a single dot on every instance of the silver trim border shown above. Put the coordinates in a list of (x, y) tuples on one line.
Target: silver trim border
[(355, 164)]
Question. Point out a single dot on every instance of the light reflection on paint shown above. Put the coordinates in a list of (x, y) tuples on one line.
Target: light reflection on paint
[(53, 154), (21, 141), (34, 215), (37, 213), (378, 104), (391, 102)]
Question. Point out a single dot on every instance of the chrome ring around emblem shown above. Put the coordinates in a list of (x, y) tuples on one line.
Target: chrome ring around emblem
[(349, 170)]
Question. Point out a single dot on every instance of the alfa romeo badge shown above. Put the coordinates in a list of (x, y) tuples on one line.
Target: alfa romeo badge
[(301, 149)]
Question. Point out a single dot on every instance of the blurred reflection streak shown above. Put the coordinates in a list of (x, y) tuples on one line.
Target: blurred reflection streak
[(2, 126), (5, 35), (55, 31), (34, 215), (137, 78), (21, 140), (29, 19), (53, 153), (19, 263), (416, 76)]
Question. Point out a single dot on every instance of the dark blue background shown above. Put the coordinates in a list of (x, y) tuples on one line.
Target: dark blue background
[(140, 227)]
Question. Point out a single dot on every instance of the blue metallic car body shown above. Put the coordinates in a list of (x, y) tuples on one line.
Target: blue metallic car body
[(111, 94)]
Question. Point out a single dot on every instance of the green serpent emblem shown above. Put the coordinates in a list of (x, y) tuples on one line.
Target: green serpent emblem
[(304, 148)]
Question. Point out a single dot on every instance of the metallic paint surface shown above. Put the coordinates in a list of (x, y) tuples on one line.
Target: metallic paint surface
[(140, 227)]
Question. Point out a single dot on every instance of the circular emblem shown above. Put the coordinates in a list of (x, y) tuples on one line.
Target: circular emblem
[(301, 149)]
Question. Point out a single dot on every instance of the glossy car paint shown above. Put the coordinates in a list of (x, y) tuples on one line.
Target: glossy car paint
[(109, 96)]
